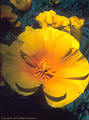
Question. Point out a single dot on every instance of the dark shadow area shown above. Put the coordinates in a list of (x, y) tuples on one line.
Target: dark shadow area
[(14, 105), (6, 28)]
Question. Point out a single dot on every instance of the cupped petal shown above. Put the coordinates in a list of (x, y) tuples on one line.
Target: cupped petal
[(68, 83), (48, 42), (17, 73), (57, 43), (33, 41)]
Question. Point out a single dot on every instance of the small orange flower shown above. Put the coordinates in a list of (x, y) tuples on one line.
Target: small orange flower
[(50, 18), (49, 58)]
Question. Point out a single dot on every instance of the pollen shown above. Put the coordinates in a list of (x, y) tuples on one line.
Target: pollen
[(44, 71)]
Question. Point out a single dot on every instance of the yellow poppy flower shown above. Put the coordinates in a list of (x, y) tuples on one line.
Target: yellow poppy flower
[(49, 58)]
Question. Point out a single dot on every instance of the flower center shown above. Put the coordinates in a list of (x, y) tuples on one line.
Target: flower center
[(44, 71)]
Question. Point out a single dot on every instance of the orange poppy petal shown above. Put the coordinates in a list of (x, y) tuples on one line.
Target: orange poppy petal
[(68, 83), (16, 71)]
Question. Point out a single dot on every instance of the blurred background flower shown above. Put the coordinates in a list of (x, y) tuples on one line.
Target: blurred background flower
[(21, 4), (8, 14)]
